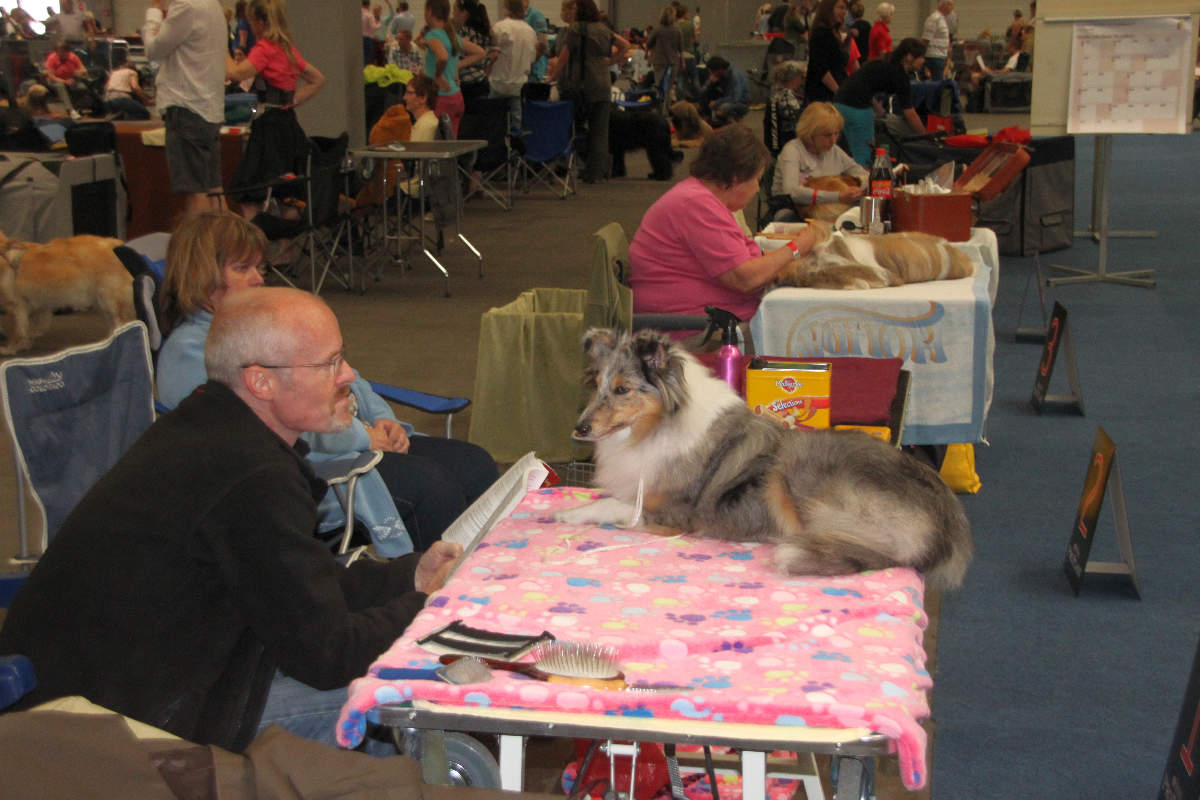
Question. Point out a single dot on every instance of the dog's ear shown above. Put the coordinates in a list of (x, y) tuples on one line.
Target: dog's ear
[(653, 349), (662, 366), (598, 342)]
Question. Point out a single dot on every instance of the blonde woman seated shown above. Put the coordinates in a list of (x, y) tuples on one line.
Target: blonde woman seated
[(819, 177)]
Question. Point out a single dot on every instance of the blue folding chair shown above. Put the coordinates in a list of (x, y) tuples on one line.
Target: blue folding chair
[(72, 414), (548, 130)]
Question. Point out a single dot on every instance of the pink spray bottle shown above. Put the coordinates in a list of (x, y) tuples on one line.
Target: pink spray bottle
[(729, 358)]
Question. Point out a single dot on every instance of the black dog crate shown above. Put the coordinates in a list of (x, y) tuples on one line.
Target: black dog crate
[(1036, 213)]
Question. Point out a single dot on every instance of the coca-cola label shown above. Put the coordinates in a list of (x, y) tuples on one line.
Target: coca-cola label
[(881, 188)]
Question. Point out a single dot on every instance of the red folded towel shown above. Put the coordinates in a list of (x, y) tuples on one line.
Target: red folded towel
[(1013, 134), (861, 389)]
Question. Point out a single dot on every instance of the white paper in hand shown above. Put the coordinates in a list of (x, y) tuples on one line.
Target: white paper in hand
[(497, 502)]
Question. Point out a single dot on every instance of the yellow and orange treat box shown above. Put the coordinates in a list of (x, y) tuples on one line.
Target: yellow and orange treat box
[(795, 393)]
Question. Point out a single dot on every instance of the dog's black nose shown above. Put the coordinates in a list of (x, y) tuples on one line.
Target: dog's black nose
[(582, 430)]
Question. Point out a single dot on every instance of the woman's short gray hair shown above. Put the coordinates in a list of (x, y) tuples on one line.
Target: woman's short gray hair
[(785, 72)]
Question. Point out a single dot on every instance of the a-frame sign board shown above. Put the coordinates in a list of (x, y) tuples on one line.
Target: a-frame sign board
[(1103, 474), (1058, 340), (1033, 334), (1181, 778)]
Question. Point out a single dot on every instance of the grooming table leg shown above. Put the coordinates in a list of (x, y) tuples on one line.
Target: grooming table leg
[(754, 773), (512, 762), (435, 767)]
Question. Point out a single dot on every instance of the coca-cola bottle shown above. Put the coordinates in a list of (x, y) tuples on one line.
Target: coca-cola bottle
[(881, 190)]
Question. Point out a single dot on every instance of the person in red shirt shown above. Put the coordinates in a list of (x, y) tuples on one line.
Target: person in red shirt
[(62, 70), (880, 42), (276, 58), (282, 81)]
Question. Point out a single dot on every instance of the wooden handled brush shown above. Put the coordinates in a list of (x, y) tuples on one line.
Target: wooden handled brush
[(563, 662)]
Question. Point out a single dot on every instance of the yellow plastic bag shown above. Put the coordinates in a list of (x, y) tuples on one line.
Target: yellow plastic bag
[(958, 469)]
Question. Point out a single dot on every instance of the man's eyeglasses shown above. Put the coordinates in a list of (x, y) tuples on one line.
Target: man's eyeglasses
[(333, 366)]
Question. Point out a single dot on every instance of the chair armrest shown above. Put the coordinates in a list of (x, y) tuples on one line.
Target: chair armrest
[(17, 679), (670, 322), (273, 183), (340, 470), (431, 403)]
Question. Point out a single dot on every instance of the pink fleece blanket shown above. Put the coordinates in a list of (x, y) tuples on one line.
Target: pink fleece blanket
[(752, 644)]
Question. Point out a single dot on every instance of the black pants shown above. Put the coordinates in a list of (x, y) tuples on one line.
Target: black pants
[(434, 482)]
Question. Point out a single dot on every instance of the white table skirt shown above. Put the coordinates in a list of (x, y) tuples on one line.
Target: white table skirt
[(942, 330)]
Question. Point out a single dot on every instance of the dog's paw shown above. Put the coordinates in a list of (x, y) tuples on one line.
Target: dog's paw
[(606, 511)]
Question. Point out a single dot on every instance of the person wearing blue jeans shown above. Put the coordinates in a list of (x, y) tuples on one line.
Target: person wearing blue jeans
[(726, 97), (188, 579), (884, 76)]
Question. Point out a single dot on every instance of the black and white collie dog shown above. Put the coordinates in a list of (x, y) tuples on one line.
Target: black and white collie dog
[(678, 448)]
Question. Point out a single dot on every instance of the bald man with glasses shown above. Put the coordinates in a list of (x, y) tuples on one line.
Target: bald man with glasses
[(186, 589)]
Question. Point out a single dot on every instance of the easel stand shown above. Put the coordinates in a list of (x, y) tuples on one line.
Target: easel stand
[(1100, 232)]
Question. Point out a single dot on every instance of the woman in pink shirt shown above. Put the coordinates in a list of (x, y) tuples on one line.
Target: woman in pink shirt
[(275, 58), (690, 252), (282, 81)]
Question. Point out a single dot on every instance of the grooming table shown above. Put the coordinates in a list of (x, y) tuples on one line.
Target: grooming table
[(942, 330), (757, 659)]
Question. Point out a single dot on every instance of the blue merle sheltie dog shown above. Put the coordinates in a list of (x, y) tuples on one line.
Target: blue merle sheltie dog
[(676, 448)]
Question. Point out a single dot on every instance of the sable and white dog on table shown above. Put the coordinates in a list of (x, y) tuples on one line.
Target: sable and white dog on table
[(679, 449), (855, 261)]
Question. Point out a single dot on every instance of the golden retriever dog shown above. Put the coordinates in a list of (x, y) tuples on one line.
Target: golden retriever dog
[(79, 273), (827, 212), (855, 261), (689, 126)]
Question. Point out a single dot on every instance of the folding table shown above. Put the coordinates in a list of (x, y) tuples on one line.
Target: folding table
[(420, 158)]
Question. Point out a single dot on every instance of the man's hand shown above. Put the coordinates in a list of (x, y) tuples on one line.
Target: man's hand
[(388, 435), (435, 566)]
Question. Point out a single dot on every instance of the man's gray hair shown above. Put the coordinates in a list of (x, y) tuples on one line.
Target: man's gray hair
[(257, 326)]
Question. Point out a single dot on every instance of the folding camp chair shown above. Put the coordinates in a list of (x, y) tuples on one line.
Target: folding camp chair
[(71, 415), (489, 119), (610, 300), (549, 139), (322, 231)]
